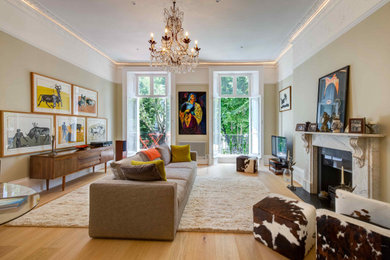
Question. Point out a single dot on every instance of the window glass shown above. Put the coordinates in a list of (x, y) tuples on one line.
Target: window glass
[(242, 85), (159, 86), (226, 85), (153, 121), (234, 126), (144, 85)]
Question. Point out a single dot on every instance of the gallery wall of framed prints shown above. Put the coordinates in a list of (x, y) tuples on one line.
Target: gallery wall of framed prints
[(59, 109)]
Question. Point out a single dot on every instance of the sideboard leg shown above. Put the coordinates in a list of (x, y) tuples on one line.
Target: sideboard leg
[(63, 183), (47, 184), (105, 167), (93, 169)]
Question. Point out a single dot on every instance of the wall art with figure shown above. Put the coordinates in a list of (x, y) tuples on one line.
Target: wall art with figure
[(96, 130), (50, 95), (85, 101), (332, 99), (70, 131), (24, 133), (192, 113)]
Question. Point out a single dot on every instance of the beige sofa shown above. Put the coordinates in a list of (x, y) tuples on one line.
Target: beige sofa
[(141, 209)]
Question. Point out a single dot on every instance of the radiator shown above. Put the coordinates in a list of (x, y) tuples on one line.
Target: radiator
[(200, 148)]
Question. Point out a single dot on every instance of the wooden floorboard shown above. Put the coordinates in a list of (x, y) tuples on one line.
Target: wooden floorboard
[(74, 243)]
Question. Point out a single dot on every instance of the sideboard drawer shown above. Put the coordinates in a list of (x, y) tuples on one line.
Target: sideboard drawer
[(64, 166)]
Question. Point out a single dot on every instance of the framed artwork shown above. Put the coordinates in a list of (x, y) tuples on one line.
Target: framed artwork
[(96, 129), (192, 113), (313, 127), (24, 133), (357, 125), (70, 131), (285, 99), (85, 101), (50, 95), (332, 98), (300, 127)]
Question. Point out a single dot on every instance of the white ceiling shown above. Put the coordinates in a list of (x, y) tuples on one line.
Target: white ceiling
[(121, 29)]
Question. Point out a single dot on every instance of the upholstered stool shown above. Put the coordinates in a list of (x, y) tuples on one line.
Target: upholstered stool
[(286, 225), (246, 164)]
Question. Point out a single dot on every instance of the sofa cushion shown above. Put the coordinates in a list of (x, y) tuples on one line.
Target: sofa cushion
[(181, 153), (165, 152), (189, 165), (179, 173), (152, 154), (146, 172), (159, 164), (115, 166)]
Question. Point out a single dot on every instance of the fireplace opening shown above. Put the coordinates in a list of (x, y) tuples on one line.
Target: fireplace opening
[(330, 163)]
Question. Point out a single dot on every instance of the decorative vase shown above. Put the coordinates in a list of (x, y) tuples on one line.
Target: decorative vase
[(287, 175)]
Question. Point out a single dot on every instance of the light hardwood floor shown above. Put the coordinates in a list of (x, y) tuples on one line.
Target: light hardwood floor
[(74, 243)]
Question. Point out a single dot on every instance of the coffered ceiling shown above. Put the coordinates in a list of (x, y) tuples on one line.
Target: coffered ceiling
[(227, 30)]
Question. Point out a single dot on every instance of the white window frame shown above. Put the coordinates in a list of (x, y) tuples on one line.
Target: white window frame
[(151, 76), (235, 76)]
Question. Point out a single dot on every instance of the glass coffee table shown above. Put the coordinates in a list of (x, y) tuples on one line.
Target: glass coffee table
[(16, 200)]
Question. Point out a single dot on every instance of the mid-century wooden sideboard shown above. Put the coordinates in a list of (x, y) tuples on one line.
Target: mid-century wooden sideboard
[(49, 166)]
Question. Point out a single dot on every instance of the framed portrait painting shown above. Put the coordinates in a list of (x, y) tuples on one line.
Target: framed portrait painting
[(85, 101), (70, 131), (285, 99), (96, 129), (24, 133), (50, 95), (332, 98), (192, 113)]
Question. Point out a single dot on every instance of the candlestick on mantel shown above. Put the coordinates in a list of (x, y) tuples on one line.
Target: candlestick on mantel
[(342, 175)]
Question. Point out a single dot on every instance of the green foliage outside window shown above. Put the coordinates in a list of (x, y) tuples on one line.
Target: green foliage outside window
[(152, 119), (235, 125)]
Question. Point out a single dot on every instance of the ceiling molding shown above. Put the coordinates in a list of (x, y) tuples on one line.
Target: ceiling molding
[(65, 27)]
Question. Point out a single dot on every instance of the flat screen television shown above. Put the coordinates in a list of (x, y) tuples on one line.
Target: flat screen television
[(279, 147)]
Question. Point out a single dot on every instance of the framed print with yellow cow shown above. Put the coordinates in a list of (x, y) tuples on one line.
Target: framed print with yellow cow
[(50, 95)]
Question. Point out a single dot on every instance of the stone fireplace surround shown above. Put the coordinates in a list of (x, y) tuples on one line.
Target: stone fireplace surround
[(365, 151)]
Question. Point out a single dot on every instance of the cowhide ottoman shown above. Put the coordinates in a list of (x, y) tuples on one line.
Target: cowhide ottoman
[(286, 225), (246, 164)]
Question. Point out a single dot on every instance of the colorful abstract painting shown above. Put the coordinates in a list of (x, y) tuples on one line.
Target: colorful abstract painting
[(192, 113)]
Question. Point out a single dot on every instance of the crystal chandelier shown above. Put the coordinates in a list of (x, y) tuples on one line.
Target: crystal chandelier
[(175, 55)]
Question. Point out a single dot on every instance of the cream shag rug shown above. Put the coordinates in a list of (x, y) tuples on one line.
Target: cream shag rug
[(215, 204)]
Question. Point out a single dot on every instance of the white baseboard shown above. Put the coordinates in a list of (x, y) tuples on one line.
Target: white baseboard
[(299, 176), (40, 185)]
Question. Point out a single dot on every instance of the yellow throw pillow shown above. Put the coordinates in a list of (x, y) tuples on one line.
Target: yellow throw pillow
[(181, 153), (159, 164)]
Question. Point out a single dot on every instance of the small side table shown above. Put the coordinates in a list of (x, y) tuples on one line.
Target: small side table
[(246, 164), (16, 200)]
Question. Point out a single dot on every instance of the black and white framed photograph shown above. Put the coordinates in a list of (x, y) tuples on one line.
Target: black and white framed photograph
[(285, 99), (96, 129), (24, 133), (357, 125)]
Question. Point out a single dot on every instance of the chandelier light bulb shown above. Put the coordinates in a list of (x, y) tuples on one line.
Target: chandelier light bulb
[(151, 35), (166, 31), (196, 43), (192, 50)]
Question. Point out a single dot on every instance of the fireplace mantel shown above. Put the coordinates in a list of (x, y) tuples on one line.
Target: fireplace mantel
[(365, 156)]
